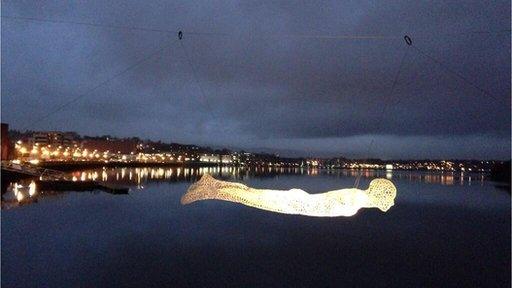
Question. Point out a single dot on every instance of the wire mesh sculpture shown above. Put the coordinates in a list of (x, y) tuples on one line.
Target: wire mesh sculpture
[(344, 202)]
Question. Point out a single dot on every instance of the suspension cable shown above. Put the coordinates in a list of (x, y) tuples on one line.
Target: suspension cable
[(192, 67), (390, 93), (238, 35), (457, 74), (234, 35), (109, 26), (116, 75)]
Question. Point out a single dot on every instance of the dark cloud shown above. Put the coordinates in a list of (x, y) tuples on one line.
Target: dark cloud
[(267, 83)]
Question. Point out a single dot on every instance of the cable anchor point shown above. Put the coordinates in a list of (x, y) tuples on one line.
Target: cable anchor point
[(408, 40)]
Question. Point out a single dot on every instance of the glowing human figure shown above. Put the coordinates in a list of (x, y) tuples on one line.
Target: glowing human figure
[(344, 202)]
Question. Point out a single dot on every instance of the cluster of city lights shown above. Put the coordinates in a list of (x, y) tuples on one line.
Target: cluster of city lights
[(441, 166), (36, 153)]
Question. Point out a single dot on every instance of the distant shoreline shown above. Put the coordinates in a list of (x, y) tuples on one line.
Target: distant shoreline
[(79, 165)]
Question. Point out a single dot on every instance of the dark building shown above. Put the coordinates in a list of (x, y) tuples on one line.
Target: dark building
[(112, 145), (54, 138), (6, 143)]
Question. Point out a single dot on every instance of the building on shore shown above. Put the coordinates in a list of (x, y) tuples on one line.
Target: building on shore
[(216, 158), (6, 143), (120, 146), (226, 159), (54, 138), (210, 158)]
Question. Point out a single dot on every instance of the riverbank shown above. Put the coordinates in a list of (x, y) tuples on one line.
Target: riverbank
[(80, 165)]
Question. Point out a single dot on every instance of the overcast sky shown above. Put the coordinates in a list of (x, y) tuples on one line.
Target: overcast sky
[(245, 79)]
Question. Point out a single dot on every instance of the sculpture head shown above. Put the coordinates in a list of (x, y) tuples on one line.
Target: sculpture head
[(382, 193)]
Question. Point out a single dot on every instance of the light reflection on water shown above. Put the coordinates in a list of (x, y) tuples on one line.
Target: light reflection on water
[(134, 240), (27, 191), (138, 176)]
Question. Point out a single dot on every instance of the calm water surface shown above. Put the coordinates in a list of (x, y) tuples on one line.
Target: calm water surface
[(445, 230)]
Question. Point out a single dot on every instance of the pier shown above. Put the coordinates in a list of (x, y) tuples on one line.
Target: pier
[(55, 180)]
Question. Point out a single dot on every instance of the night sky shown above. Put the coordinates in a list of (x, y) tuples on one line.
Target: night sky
[(266, 75)]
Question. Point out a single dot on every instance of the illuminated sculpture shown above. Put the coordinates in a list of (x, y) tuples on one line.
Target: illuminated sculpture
[(345, 202)]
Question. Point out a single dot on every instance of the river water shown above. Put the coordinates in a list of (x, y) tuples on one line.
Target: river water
[(445, 230)]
